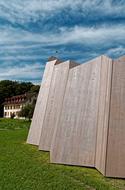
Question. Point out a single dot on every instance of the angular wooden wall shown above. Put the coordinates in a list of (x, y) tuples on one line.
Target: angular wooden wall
[(80, 114), (115, 159), (38, 117), (103, 113), (54, 103), (110, 151), (75, 139)]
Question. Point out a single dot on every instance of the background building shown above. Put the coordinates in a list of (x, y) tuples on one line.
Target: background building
[(13, 105)]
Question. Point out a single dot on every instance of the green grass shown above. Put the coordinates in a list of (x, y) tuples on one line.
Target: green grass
[(14, 124), (23, 167)]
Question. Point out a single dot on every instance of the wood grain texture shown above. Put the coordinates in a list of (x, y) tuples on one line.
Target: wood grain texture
[(38, 116), (80, 114), (115, 160), (103, 113), (75, 139), (54, 103)]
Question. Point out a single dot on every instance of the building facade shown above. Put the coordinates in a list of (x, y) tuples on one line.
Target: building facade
[(13, 105)]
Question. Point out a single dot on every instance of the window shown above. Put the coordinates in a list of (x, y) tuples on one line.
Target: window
[(18, 106)]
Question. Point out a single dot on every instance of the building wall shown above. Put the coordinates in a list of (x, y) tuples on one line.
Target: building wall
[(115, 160), (90, 123), (103, 113), (40, 108), (75, 139), (9, 109), (54, 103)]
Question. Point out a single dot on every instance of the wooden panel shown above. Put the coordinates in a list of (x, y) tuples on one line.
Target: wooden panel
[(54, 104), (75, 139), (115, 165), (103, 113), (37, 121)]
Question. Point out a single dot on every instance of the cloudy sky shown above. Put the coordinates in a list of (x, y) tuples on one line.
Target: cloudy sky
[(33, 30)]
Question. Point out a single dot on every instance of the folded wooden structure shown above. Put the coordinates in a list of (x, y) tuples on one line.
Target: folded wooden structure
[(80, 114)]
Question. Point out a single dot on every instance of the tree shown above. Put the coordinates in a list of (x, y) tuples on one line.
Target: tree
[(12, 116), (12, 88), (35, 89), (27, 111)]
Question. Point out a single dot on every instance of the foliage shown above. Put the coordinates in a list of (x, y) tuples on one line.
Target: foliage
[(23, 167), (12, 88), (35, 89), (27, 111), (12, 115)]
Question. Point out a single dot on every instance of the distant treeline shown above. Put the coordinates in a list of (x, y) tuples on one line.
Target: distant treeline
[(12, 88)]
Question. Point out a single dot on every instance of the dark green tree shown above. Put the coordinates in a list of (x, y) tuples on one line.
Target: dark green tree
[(12, 88), (35, 89), (27, 111)]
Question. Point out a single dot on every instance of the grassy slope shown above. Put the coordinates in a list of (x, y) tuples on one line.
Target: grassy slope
[(23, 167)]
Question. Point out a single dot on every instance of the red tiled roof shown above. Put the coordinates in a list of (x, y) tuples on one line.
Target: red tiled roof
[(15, 99)]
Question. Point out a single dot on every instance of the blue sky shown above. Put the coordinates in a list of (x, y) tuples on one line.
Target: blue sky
[(33, 30)]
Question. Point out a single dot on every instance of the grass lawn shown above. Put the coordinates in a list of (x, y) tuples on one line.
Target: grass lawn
[(23, 167)]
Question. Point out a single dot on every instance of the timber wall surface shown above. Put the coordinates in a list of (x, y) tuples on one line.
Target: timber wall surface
[(75, 139), (40, 108), (54, 103), (115, 160), (80, 114), (103, 113)]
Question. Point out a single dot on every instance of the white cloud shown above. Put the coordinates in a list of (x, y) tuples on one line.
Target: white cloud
[(18, 44), (19, 57), (118, 51), (82, 35), (23, 11), (27, 72)]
